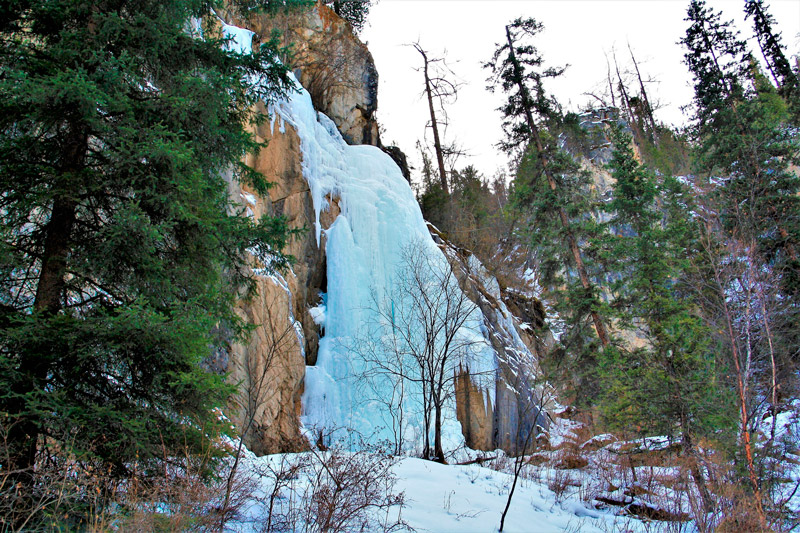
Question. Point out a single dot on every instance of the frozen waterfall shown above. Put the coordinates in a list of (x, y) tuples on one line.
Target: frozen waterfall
[(379, 219)]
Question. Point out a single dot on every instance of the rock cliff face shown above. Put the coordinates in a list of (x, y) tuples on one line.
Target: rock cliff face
[(520, 402), (331, 63), (269, 369)]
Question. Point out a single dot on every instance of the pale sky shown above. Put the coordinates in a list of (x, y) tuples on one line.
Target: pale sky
[(577, 32)]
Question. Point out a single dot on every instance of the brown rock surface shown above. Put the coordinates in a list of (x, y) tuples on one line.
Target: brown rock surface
[(269, 371), (270, 367), (474, 411), (334, 66)]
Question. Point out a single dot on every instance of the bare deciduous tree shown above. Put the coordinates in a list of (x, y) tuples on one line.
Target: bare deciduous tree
[(420, 340), (739, 293), (438, 91)]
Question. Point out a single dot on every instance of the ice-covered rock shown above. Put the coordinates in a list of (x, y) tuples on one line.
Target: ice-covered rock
[(362, 216)]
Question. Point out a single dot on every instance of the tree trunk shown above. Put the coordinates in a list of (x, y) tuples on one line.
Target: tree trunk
[(648, 109), (694, 468), (426, 418), (562, 214), (610, 84), (434, 124), (744, 418), (626, 101), (34, 365), (437, 432)]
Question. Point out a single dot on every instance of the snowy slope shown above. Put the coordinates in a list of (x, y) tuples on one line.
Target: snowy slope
[(438, 498)]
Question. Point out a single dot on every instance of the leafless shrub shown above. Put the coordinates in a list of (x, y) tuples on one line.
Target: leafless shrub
[(176, 493), (736, 508), (352, 492), (330, 492), (282, 505), (559, 482)]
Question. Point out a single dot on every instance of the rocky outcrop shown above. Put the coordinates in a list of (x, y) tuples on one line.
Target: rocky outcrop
[(475, 412), (400, 159), (269, 371), (520, 402), (269, 368), (340, 75), (596, 149), (334, 66)]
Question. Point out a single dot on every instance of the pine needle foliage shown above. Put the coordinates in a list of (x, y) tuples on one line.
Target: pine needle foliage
[(770, 43), (745, 143), (666, 382), (120, 249), (552, 192), (353, 11)]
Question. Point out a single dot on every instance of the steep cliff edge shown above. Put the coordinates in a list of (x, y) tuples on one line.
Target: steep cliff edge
[(269, 370), (331, 63), (274, 369)]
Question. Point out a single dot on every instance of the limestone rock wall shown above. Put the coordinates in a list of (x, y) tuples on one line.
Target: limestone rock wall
[(334, 66), (269, 368), (269, 371)]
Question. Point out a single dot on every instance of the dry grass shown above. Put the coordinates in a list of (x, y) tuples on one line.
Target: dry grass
[(69, 493)]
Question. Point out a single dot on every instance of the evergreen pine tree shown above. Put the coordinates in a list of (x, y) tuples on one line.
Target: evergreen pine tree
[(668, 383), (745, 149), (353, 11), (772, 50), (553, 192), (120, 250), (742, 134), (718, 60)]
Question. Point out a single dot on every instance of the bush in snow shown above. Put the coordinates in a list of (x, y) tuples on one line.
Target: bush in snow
[(329, 491)]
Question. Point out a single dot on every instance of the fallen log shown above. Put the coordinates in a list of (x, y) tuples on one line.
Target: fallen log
[(478, 460), (644, 510)]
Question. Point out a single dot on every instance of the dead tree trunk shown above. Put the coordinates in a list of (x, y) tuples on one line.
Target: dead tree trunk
[(648, 109), (610, 83), (429, 92), (626, 101)]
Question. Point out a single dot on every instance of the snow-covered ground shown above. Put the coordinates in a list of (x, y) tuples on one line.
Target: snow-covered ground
[(590, 495), (437, 498), (472, 498)]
